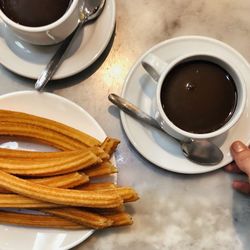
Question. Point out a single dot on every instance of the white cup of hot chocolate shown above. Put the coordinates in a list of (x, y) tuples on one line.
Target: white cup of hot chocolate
[(39, 22), (198, 96)]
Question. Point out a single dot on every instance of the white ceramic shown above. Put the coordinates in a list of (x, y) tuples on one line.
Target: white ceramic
[(60, 109), (158, 69), (48, 34), (28, 60), (139, 88)]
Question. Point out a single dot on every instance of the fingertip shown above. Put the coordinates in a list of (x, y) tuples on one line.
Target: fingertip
[(242, 186), (238, 147), (236, 185)]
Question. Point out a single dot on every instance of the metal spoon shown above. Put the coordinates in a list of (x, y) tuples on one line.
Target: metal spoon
[(90, 10), (199, 151)]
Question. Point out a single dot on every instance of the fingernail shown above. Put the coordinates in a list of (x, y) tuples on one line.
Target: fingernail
[(238, 147)]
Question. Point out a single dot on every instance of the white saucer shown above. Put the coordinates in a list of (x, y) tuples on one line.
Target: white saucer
[(32, 102), (27, 60), (138, 88)]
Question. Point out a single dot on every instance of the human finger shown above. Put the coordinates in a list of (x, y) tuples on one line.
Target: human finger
[(242, 186), (233, 168), (241, 155)]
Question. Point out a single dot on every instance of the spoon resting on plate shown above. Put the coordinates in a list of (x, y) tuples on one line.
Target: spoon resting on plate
[(202, 152), (89, 11)]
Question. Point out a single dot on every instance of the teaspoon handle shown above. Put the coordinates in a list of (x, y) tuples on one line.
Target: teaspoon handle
[(132, 110), (55, 61)]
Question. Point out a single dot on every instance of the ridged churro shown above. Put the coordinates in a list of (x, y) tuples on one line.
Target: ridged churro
[(58, 195), (18, 155), (128, 194), (81, 216), (51, 166), (18, 201), (97, 186), (44, 135), (109, 145), (62, 181), (98, 151), (51, 125), (102, 169), (120, 219), (91, 219), (35, 220)]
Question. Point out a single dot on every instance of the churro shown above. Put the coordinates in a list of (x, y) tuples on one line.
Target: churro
[(44, 135), (102, 169), (109, 145), (51, 166), (97, 186), (58, 195), (81, 216), (91, 219), (98, 151), (62, 181), (35, 220), (128, 194), (120, 219), (51, 125), (18, 201), (18, 155)]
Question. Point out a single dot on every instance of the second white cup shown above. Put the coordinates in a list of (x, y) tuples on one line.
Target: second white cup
[(49, 34), (203, 94)]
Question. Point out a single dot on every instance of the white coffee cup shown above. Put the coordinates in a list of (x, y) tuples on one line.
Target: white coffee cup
[(49, 34), (159, 69)]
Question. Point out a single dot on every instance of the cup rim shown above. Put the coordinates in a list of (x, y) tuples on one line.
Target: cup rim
[(50, 26), (228, 124)]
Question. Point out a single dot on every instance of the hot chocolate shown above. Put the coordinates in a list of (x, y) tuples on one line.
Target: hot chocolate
[(34, 13), (198, 96)]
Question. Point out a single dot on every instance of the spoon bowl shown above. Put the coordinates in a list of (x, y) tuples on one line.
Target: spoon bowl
[(91, 9), (202, 152)]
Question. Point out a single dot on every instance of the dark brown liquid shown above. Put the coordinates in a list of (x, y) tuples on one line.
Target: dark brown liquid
[(198, 96), (34, 13)]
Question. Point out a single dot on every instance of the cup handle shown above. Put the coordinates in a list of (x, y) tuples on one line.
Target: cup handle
[(154, 66)]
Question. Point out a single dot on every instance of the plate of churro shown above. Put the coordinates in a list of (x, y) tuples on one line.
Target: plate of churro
[(57, 174)]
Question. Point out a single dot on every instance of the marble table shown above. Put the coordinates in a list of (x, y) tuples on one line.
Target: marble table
[(175, 211)]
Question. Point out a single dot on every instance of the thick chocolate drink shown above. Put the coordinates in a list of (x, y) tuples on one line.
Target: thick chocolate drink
[(198, 96), (34, 13)]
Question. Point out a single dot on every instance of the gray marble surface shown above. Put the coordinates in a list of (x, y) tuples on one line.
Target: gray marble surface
[(175, 211)]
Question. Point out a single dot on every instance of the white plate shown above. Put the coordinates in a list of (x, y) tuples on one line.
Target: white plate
[(139, 89), (27, 60), (60, 109)]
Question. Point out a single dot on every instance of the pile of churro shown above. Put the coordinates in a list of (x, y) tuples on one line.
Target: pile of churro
[(59, 189)]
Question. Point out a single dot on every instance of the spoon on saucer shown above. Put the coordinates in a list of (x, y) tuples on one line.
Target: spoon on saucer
[(202, 152), (89, 11)]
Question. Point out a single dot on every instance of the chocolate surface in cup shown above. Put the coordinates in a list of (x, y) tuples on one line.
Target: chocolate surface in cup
[(34, 13), (198, 96)]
